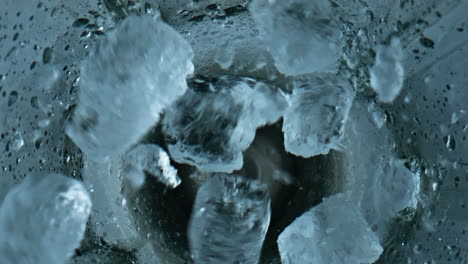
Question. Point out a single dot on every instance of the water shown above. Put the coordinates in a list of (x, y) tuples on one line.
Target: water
[(319, 108), (229, 220), (333, 232), (301, 35), (43, 219), (135, 72), (152, 159)]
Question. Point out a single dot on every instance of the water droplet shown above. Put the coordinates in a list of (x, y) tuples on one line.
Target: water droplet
[(17, 143), (450, 143), (34, 102), (82, 21), (43, 123), (76, 82), (428, 78), (47, 55), (12, 98), (417, 249)]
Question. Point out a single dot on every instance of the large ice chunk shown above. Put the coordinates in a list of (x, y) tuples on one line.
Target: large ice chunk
[(319, 107), (301, 35), (387, 193), (378, 181), (334, 232), (387, 74), (43, 219), (216, 120), (152, 159), (229, 220), (135, 72)]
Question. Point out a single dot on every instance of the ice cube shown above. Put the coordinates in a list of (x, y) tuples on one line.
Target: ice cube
[(395, 188), (229, 220), (387, 74), (43, 219), (334, 232), (319, 107), (152, 159), (135, 72), (379, 182), (301, 35), (216, 120)]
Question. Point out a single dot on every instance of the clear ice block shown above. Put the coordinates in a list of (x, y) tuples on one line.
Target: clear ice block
[(229, 220), (301, 35), (333, 232), (43, 219), (318, 110), (136, 71)]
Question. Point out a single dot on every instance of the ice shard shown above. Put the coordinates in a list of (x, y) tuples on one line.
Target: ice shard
[(136, 71), (229, 220), (43, 219), (152, 159), (301, 35), (387, 74), (334, 232), (318, 110)]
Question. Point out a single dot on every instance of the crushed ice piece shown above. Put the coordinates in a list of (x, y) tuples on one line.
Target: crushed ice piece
[(397, 188), (152, 159), (319, 107), (135, 72), (229, 220), (16, 143), (216, 120), (301, 35), (378, 116), (387, 74), (43, 219), (334, 232), (379, 182)]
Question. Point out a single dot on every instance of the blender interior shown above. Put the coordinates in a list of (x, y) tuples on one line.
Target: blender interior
[(42, 45)]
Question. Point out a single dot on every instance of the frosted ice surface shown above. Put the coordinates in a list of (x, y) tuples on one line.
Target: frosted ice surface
[(334, 232), (301, 35), (379, 182), (387, 74), (378, 116), (229, 220), (135, 72), (152, 159), (319, 107), (43, 219), (216, 120), (385, 195)]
